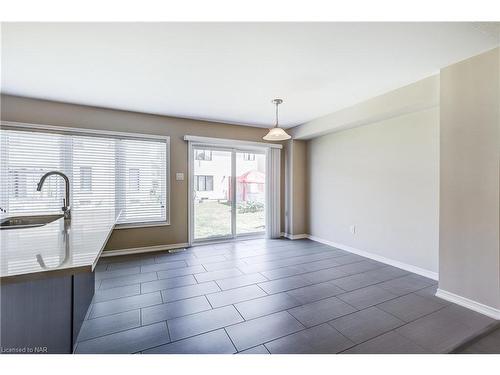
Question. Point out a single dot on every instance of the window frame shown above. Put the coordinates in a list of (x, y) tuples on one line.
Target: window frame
[(205, 178), (11, 125)]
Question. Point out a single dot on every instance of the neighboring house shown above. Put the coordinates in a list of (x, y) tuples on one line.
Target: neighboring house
[(212, 176)]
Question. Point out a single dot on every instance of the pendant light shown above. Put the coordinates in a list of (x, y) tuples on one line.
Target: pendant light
[(277, 133)]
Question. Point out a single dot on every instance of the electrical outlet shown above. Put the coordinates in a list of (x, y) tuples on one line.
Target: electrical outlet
[(352, 228)]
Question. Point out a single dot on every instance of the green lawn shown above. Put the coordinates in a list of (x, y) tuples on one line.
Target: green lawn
[(213, 219)]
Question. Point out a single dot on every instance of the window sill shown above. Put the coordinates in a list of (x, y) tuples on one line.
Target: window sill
[(142, 225)]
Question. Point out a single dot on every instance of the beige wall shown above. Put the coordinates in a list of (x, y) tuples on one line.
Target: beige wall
[(382, 178), (62, 114), (295, 188), (469, 199), (298, 183)]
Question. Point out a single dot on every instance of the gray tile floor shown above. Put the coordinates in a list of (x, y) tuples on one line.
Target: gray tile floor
[(268, 296), (485, 344)]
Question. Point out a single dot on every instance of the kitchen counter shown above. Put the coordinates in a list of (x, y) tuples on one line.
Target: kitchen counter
[(47, 281), (56, 248)]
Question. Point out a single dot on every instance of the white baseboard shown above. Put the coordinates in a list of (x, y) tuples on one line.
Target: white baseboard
[(379, 258), (145, 249), (294, 236), (469, 304)]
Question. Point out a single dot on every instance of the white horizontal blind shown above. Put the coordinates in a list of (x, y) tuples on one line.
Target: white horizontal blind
[(105, 172)]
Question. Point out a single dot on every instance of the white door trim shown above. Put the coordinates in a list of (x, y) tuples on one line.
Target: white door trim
[(190, 194), (233, 191)]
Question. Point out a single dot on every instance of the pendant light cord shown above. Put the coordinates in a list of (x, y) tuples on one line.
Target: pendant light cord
[(276, 125)]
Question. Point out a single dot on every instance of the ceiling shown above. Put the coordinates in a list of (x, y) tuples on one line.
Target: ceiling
[(229, 72)]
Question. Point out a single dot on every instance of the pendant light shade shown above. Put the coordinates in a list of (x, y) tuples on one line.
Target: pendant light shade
[(277, 133)]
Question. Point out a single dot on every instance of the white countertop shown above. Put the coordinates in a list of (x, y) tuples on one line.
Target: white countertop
[(60, 246)]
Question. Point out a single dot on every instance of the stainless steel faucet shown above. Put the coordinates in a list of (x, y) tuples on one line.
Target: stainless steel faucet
[(66, 202)]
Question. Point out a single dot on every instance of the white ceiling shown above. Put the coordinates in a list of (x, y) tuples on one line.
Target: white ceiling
[(229, 71)]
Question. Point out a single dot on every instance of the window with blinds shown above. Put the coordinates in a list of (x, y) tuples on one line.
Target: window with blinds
[(127, 174)]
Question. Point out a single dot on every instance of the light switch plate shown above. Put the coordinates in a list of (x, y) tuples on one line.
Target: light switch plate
[(179, 176)]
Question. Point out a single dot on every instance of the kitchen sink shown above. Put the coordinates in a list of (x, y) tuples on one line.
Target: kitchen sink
[(17, 222)]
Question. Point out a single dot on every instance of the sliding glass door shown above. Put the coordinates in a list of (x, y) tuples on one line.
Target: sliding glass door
[(250, 193), (227, 193), (212, 201)]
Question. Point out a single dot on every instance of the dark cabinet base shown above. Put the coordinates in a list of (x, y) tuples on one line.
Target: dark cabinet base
[(44, 315), (83, 292)]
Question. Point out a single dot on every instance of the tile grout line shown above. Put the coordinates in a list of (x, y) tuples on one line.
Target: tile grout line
[(404, 295), (244, 320), (120, 312), (168, 333), (384, 333), (230, 339), (210, 303), (258, 286), (120, 331), (264, 276), (267, 350)]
